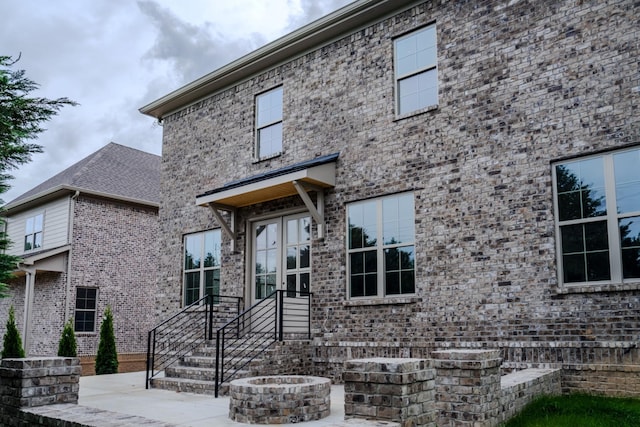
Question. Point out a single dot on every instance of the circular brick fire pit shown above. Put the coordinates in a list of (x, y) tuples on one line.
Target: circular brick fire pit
[(279, 399)]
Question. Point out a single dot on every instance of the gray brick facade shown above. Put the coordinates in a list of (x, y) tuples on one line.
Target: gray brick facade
[(102, 236), (520, 85)]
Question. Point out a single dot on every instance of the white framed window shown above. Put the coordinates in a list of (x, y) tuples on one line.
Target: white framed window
[(269, 123), (201, 265), (597, 216), (85, 313), (33, 232), (381, 246), (416, 60)]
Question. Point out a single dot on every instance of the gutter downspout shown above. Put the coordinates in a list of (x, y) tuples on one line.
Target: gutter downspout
[(72, 211)]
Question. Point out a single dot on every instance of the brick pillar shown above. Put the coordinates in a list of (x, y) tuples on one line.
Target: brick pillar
[(38, 381), (467, 387), (390, 389)]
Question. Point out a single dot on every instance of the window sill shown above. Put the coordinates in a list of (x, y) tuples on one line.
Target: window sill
[(269, 157), (381, 301), (416, 112), (586, 289)]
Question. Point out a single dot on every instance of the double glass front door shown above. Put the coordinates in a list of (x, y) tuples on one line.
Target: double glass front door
[(281, 256)]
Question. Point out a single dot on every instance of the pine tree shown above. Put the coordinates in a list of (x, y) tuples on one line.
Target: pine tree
[(21, 119), (107, 357), (67, 347), (12, 345)]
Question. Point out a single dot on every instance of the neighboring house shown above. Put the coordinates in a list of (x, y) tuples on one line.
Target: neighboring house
[(88, 239), (438, 174)]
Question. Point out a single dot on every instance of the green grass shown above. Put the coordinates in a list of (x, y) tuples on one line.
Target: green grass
[(579, 410)]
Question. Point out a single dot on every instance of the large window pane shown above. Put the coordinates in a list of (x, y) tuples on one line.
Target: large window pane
[(598, 266), (270, 140), (192, 251), (269, 123), (212, 282), (385, 268), (580, 188), (212, 249), (574, 268), (202, 258), (591, 250), (630, 242), (418, 91), (269, 107), (416, 51), (398, 225), (191, 288), (362, 225), (627, 176)]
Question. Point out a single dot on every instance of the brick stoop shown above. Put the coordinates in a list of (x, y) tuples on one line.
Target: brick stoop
[(195, 373)]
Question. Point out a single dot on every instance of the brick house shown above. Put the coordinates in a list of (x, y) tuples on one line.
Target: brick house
[(438, 174), (87, 237)]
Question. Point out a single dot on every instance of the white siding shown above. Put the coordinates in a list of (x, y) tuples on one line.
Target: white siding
[(55, 231)]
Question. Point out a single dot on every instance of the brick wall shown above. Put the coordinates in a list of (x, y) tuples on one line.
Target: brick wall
[(115, 250), (521, 84)]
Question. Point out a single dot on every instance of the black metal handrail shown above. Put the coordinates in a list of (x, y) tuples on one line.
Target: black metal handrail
[(251, 333), (180, 334)]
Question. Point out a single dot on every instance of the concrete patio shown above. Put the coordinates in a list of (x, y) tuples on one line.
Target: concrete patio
[(125, 393)]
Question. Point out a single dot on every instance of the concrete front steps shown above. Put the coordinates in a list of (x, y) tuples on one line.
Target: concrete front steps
[(196, 372)]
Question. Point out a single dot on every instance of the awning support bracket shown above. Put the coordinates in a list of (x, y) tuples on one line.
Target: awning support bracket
[(316, 213), (228, 228)]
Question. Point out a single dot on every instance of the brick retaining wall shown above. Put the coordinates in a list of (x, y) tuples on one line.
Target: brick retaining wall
[(456, 387)]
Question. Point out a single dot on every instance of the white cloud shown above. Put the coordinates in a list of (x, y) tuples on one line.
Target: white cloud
[(114, 56)]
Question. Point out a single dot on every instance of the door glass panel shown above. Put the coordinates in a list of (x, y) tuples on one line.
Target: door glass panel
[(266, 259), (291, 285), (292, 231), (292, 258), (304, 284), (304, 256)]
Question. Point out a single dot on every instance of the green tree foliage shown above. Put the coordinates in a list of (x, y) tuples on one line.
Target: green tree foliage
[(68, 347), (21, 120), (107, 357), (12, 345)]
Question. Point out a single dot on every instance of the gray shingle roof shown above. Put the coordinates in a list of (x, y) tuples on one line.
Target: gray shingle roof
[(114, 170)]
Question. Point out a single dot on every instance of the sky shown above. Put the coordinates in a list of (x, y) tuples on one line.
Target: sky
[(114, 56)]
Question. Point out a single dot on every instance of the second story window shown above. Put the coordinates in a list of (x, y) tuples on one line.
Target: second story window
[(269, 123), (416, 59), (33, 233)]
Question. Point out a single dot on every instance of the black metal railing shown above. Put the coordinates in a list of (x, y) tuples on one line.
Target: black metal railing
[(253, 331), (182, 333)]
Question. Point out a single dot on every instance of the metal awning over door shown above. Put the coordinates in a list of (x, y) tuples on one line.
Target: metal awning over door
[(311, 175)]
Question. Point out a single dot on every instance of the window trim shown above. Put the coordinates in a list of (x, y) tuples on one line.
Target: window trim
[(94, 310), (34, 233), (381, 295), (612, 218), (398, 78), (259, 127), (201, 269)]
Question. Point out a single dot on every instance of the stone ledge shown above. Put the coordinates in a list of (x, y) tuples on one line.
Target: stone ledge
[(81, 416)]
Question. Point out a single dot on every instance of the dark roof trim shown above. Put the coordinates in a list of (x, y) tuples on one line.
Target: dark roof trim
[(275, 173)]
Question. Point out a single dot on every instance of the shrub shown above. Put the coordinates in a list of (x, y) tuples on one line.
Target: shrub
[(67, 347), (107, 357), (12, 345)]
